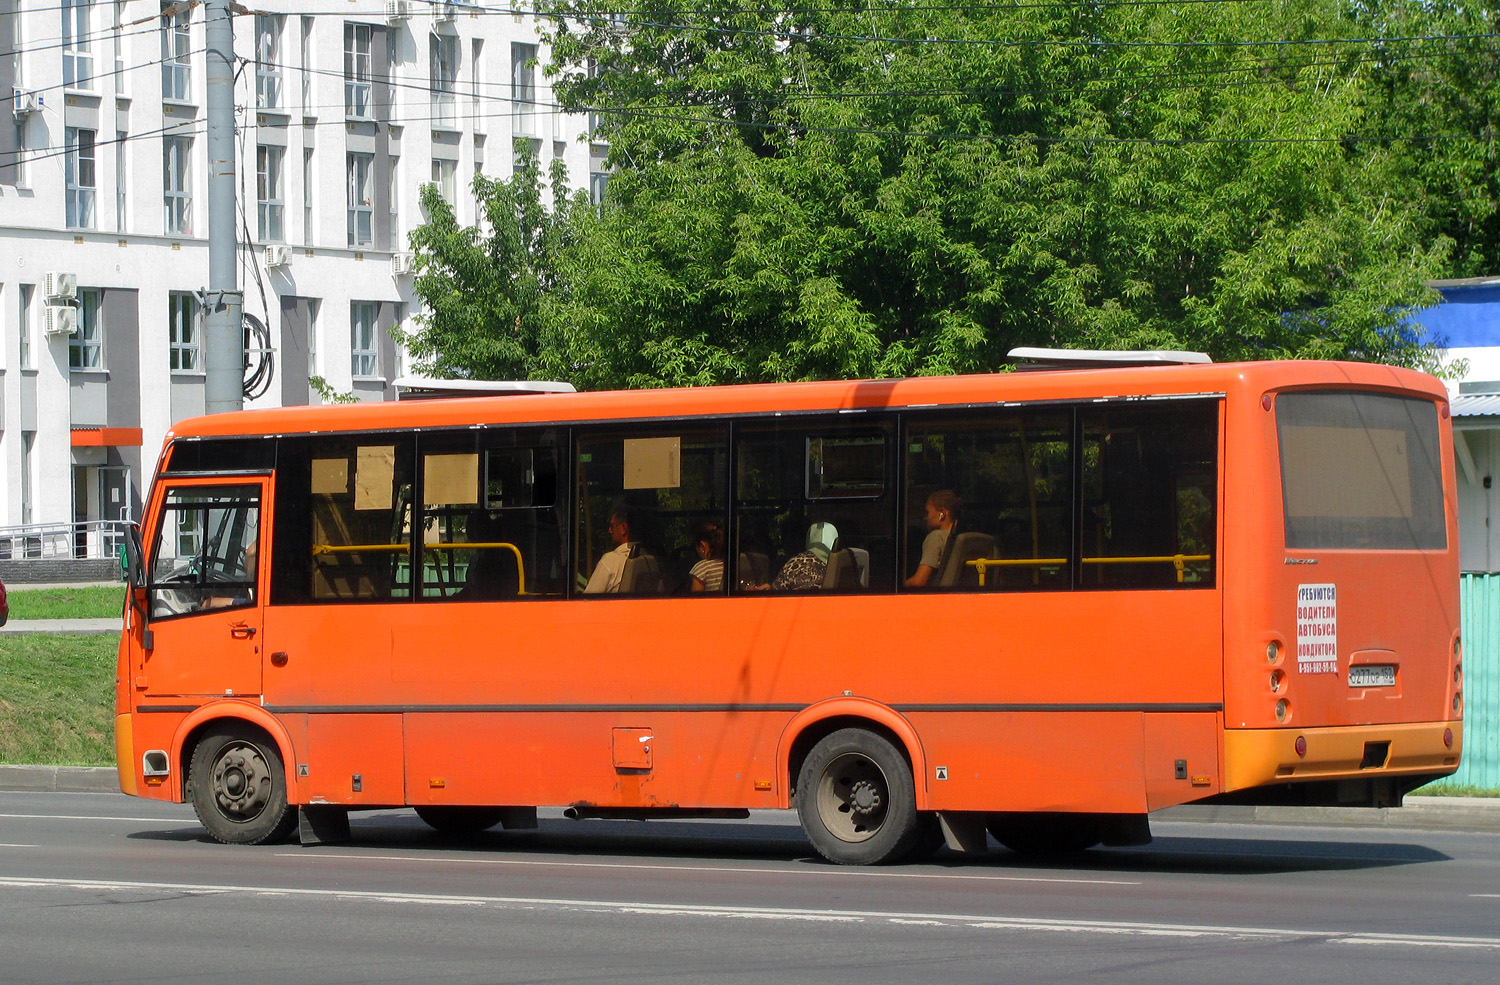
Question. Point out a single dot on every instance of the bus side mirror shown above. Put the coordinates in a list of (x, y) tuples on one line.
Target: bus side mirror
[(135, 558)]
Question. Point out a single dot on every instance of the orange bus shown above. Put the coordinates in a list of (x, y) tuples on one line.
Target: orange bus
[(1035, 604)]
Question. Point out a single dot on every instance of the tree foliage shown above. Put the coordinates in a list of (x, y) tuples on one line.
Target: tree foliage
[(903, 187)]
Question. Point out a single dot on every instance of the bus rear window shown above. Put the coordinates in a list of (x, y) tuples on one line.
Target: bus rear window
[(1360, 471)]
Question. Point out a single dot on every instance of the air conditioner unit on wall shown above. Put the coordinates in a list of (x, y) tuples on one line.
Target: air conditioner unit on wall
[(396, 11), (278, 256), (60, 319), (402, 264), (443, 13), (60, 286), (24, 101)]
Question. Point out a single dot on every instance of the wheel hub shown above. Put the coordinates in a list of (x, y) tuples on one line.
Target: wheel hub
[(238, 781), (865, 798)]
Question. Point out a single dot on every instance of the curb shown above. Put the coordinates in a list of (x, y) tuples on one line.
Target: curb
[(61, 627), (1473, 814), (60, 779)]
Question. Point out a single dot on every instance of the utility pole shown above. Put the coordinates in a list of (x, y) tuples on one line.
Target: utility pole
[(224, 347)]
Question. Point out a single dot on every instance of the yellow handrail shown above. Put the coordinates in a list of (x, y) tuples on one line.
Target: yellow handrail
[(469, 545), (319, 549), (1179, 561)]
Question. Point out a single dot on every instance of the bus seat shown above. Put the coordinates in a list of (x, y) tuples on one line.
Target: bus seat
[(967, 546), (642, 576), (843, 571), (755, 568)]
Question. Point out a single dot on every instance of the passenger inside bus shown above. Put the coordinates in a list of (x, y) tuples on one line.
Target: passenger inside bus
[(708, 574), (807, 569), (628, 568), (942, 511), (492, 573)]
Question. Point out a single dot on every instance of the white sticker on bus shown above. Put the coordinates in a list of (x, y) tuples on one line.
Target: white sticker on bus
[(1317, 629)]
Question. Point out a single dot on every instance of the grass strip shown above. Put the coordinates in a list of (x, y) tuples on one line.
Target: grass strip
[(81, 602), (57, 700)]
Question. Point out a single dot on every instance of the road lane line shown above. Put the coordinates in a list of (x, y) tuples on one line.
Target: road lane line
[(871, 918), (821, 871), (17, 846)]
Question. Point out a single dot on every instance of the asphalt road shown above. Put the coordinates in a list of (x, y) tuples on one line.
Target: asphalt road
[(101, 888)]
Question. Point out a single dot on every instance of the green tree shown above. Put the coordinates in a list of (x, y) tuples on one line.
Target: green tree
[(495, 296), (900, 188)]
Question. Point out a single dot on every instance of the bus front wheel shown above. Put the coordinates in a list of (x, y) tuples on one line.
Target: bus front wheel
[(856, 799), (238, 787)]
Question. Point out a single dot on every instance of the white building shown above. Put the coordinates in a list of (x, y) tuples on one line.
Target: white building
[(343, 115)]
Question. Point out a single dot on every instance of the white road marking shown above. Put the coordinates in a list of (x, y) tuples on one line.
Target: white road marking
[(862, 917), (309, 856), (17, 846)]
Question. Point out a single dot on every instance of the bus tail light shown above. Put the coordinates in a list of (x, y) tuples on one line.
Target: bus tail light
[(1273, 651), (1278, 681), (1448, 738), (1301, 745), (1283, 710)]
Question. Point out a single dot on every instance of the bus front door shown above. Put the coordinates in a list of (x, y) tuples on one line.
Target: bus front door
[(204, 590)]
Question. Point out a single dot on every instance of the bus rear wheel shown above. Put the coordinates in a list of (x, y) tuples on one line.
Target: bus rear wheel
[(238, 787), (461, 822), (856, 799)]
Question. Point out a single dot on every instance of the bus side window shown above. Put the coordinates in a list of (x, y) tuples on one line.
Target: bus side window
[(812, 509), (205, 554), (1004, 485), (489, 521), (642, 495), (343, 520), (1150, 491)]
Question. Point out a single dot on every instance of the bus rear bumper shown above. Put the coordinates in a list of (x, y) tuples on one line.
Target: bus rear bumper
[(1263, 757)]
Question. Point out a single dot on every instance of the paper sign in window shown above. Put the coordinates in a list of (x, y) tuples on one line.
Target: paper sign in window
[(374, 477), (653, 463), (450, 480), (330, 476)]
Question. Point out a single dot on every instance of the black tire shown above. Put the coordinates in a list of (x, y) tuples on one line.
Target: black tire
[(460, 822), (237, 784), (856, 799), (1046, 835)]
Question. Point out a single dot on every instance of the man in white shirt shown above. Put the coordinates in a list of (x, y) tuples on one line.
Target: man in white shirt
[(608, 572)]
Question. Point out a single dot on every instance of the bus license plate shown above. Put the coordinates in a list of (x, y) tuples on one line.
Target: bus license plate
[(1372, 675)]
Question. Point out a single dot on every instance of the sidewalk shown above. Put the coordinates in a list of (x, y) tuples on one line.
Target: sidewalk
[(81, 627)]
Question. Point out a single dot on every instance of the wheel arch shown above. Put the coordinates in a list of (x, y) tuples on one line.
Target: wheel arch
[(825, 717), (198, 724)]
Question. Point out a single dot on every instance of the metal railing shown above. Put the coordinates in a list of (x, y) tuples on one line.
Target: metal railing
[(89, 540)]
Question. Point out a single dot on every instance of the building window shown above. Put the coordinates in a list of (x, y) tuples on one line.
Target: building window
[(86, 346), (476, 102), (394, 202), (177, 194), (19, 161), (182, 323), (361, 212), (598, 183), (392, 59), (307, 196), (523, 87), (362, 318), (442, 175), (79, 168), (176, 51), (268, 195), (443, 50), (307, 66), (28, 449), (268, 60), (357, 71), (28, 291), (118, 29), (120, 183), (77, 46)]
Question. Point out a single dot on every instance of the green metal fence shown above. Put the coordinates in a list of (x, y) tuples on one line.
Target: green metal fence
[(1480, 600)]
